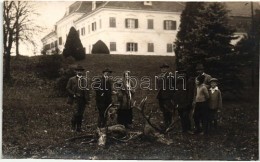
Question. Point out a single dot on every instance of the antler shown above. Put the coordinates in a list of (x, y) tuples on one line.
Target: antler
[(141, 108)]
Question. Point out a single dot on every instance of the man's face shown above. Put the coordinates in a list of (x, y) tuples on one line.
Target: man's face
[(79, 73), (106, 73), (163, 70)]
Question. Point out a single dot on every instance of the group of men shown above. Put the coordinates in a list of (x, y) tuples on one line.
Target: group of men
[(169, 100), (79, 98)]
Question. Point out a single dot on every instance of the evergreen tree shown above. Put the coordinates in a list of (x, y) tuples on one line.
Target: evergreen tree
[(204, 37), (73, 46), (186, 41)]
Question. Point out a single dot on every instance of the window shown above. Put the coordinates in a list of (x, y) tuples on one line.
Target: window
[(47, 46), (150, 47), (52, 44), (112, 22), (131, 47), (100, 24), (94, 26), (169, 25), (169, 47), (56, 44), (150, 23), (60, 40), (78, 32), (131, 23), (83, 31), (88, 28), (112, 46)]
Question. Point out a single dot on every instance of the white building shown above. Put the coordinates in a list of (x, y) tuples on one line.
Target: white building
[(134, 28)]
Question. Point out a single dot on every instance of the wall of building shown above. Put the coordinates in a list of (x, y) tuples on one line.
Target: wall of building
[(121, 35)]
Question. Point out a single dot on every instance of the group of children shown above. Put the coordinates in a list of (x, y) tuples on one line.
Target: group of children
[(203, 100), (207, 103)]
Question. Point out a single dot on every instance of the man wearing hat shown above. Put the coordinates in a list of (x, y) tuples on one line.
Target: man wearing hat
[(78, 97), (200, 71), (103, 96), (165, 94)]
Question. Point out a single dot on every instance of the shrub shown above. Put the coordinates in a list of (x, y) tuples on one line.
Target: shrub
[(100, 48), (48, 66), (61, 82)]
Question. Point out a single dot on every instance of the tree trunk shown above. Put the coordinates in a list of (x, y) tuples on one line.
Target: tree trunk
[(7, 74), (17, 44)]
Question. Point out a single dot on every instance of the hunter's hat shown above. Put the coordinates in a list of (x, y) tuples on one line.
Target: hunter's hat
[(199, 67), (165, 65), (107, 70), (213, 80), (79, 68)]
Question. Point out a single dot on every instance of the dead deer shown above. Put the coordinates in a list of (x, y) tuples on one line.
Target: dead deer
[(141, 107)]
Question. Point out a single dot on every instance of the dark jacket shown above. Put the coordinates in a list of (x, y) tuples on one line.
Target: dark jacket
[(104, 92), (73, 88), (165, 86), (184, 98)]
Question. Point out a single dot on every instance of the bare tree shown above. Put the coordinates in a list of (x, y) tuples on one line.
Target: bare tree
[(9, 26), (18, 26), (26, 27)]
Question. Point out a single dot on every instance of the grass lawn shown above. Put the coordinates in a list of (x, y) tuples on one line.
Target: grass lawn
[(36, 123)]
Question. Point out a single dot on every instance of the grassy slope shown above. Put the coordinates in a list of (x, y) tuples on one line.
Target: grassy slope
[(35, 124)]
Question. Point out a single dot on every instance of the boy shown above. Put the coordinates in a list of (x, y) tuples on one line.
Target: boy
[(201, 106), (215, 102)]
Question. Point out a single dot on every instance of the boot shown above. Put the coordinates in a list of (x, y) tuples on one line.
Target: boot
[(73, 125), (79, 123)]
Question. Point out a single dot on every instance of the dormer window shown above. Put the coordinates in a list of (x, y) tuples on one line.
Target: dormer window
[(93, 5), (148, 3)]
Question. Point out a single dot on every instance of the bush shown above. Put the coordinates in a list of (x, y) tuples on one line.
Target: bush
[(100, 48), (48, 66), (61, 82)]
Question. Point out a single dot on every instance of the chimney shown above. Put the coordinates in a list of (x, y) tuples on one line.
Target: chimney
[(147, 3), (93, 5)]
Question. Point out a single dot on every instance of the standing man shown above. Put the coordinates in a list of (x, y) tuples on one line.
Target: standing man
[(125, 97), (103, 96), (183, 100), (165, 94), (78, 97)]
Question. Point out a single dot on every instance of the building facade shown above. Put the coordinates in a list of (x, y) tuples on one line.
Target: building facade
[(134, 28)]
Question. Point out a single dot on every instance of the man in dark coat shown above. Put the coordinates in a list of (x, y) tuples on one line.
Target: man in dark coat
[(78, 97), (183, 100), (165, 94), (103, 96)]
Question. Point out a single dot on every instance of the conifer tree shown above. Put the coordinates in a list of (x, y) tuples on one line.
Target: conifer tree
[(73, 46), (204, 37)]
